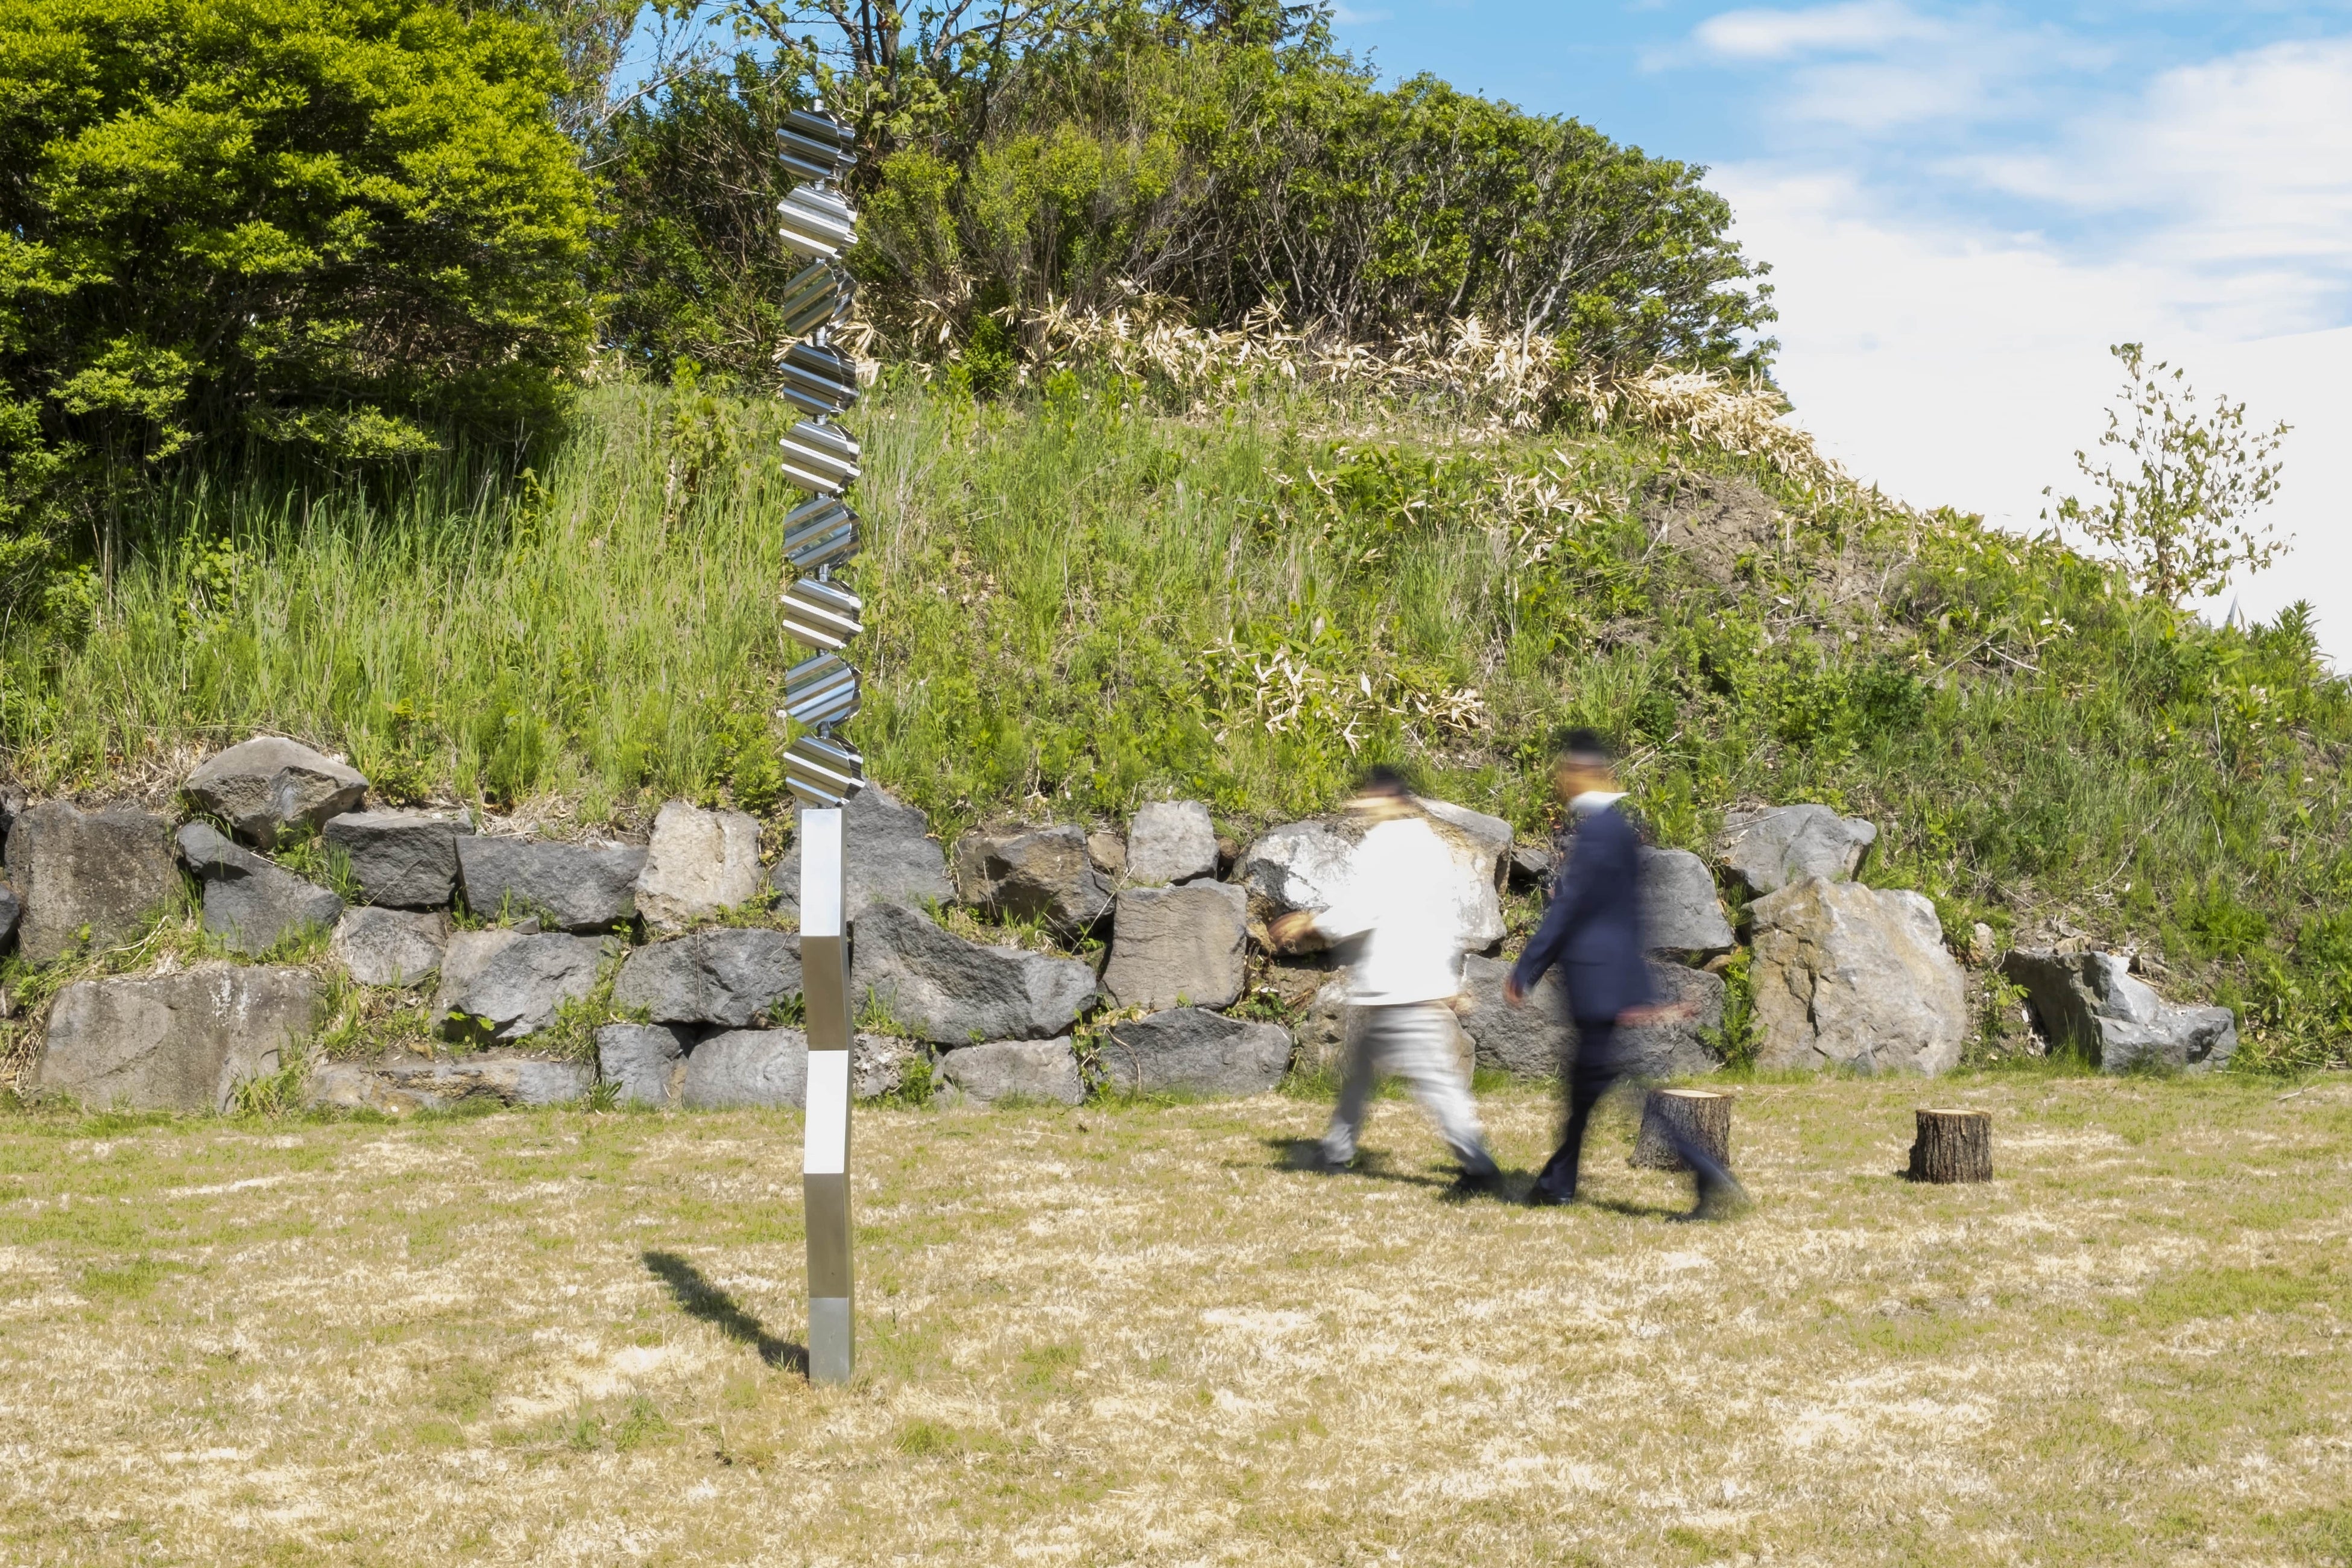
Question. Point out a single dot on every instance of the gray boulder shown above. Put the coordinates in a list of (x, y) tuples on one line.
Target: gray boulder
[(1325, 1028), (1680, 911), (391, 947), (1527, 1041), (1108, 851), (1189, 1051), (506, 985), (106, 871), (1031, 1069), (1680, 1048), (402, 860), (769, 1067), (1777, 846), (890, 857), (268, 785), (175, 1042), (646, 1061), (12, 909), (1847, 975), (1531, 863), (1171, 841), (571, 886), (747, 1067), (250, 903), (1041, 875), (1178, 947), (953, 992), (2091, 1002), (397, 1085), (1486, 837), (1298, 866), (1306, 865), (723, 976), (700, 864), (878, 1063)]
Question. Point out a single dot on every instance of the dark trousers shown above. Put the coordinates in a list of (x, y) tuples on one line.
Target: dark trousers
[(1590, 1071)]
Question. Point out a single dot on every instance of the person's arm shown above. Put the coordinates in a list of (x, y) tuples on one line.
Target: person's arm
[(1543, 951)]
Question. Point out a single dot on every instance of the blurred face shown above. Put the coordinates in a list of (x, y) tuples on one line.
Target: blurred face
[(1572, 778)]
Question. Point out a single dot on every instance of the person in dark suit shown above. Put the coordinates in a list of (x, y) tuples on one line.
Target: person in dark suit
[(1592, 934)]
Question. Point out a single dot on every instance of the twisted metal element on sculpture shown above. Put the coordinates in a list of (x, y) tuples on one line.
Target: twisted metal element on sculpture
[(821, 692), (817, 223)]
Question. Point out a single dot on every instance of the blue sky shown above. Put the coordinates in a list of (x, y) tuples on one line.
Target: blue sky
[(1963, 205)]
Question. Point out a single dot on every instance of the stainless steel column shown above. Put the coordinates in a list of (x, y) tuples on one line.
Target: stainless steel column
[(824, 1156), (821, 694)]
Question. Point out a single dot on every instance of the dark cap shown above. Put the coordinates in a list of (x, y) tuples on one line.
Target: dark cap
[(1582, 745)]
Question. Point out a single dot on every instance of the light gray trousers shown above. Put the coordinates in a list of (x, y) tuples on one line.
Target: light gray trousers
[(1413, 1041)]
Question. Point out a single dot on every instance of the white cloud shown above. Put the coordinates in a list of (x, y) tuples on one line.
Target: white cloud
[(1859, 26), (1961, 367), (2239, 170), (1877, 65)]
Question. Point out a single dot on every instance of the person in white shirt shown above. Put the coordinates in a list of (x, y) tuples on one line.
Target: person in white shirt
[(1406, 969)]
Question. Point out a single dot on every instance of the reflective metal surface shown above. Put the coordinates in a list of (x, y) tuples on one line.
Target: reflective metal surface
[(824, 770), (818, 296), (821, 690), (820, 614), (816, 380), (820, 457), (820, 534), (817, 223)]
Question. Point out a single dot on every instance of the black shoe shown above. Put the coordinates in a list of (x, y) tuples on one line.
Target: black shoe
[(1540, 1197)]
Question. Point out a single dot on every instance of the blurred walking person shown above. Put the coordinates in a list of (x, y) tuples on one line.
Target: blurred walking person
[(1592, 934), (1405, 973)]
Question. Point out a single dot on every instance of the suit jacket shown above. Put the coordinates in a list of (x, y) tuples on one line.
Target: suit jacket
[(1592, 932)]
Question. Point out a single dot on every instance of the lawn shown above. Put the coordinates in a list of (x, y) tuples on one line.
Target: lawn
[(1125, 1334)]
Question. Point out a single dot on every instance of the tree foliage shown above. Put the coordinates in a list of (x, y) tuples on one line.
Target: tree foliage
[(2177, 505), (1221, 151), (345, 227), (687, 262)]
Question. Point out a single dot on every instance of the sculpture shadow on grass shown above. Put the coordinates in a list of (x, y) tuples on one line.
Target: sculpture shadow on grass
[(701, 1299)]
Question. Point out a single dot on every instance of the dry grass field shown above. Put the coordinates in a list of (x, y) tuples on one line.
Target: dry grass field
[(1132, 1334)]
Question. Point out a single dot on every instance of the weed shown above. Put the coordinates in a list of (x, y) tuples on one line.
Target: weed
[(1737, 1040)]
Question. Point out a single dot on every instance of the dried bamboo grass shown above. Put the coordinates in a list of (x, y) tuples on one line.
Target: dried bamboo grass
[(1501, 381)]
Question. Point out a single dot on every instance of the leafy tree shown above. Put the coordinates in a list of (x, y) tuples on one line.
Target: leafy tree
[(1223, 153), (345, 227), (688, 264), (2177, 506), (1229, 170)]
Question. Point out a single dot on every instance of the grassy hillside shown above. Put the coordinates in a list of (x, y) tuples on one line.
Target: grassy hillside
[(1084, 596)]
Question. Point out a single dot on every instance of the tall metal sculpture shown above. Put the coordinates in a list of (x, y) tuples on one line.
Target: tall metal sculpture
[(820, 695)]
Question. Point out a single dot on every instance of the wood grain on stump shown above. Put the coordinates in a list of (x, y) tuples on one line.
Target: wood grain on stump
[(1952, 1146), (1702, 1117)]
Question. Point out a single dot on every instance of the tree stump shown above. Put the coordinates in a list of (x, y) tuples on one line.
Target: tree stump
[(1952, 1146), (1702, 1117)]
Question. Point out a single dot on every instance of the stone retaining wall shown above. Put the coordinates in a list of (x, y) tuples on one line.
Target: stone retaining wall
[(686, 943)]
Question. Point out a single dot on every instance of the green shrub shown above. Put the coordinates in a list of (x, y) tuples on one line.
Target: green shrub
[(338, 227)]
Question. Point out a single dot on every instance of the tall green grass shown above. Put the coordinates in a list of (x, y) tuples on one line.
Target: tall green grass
[(1078, 598), (601, 629)]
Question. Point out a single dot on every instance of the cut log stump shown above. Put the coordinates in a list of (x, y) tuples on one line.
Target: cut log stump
[(1702, 1116), (1952, 1146)]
